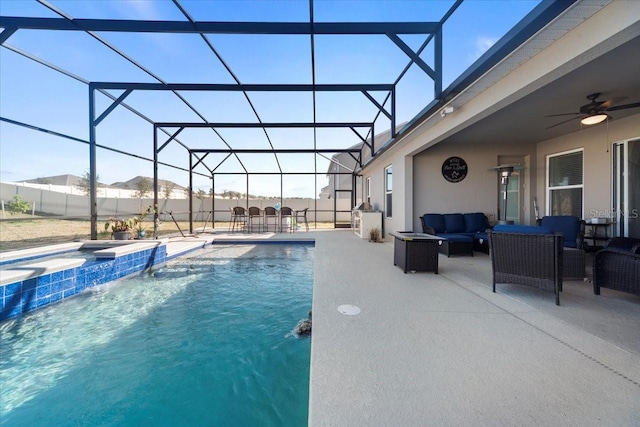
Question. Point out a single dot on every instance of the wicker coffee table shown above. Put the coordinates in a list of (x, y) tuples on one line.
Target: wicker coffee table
[(416, 251)]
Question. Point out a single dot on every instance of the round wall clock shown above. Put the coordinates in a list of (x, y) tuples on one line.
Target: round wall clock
[(454, 169)]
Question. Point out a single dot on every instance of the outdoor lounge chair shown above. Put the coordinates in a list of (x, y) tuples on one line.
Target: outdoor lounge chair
[(527, 255), (617, 266), (572, 229)]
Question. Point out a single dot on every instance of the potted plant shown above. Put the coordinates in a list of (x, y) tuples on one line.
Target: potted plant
[(374, 235), (121, 228), (139, 221), (141, 231)]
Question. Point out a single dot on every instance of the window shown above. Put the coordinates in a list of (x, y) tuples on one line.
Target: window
[(388, 187), (367, 190), (565, 183)]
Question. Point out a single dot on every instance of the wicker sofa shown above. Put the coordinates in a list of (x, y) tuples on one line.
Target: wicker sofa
[(463, 233), (617, 266), (527, 255)]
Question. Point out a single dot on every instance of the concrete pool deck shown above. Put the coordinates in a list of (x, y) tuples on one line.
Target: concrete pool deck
[(443, 349)]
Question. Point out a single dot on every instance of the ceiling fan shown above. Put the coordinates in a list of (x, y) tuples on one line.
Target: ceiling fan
[(595, 111)]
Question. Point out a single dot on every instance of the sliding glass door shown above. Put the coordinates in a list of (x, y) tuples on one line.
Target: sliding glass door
[(626, 187)]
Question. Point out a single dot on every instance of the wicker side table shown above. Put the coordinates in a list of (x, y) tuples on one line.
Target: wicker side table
[(415, 251)]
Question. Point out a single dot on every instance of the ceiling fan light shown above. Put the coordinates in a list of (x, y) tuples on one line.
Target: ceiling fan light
[(594, 119)]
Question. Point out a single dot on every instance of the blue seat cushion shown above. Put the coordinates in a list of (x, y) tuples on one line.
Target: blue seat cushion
[(568, 225), (454, 223), (456, 237), (525, 229), (475, 222), (435, 221)]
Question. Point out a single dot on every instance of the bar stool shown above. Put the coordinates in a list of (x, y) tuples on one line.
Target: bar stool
[(238, 219), (254, 215), (286, 215), (301, 217), (270, 213)]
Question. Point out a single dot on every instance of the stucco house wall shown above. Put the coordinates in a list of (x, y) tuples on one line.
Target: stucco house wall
[(478, 192)]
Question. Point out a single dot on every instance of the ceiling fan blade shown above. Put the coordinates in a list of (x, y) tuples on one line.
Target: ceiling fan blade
[(613, 101), (563, 122), (624, 107), (563, 114)]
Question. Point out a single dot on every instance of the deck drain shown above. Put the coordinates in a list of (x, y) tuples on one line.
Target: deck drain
[(349, 310)]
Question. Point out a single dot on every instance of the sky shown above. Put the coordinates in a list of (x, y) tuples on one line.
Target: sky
[(40, 96)]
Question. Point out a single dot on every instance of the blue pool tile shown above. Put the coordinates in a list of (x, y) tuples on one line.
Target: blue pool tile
[(56, 287), (10, 311), (25, 296), (28, 300), (57, 276), (44, 280), (81, 279), (43, 291), (66, 284), (29, 284), (95, 276), (40, 302), (12, 288)]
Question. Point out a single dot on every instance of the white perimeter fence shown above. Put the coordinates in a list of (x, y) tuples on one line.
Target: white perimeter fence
[(77, 206)]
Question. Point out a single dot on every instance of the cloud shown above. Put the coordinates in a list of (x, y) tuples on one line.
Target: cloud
[(483, 44), (144, 9)]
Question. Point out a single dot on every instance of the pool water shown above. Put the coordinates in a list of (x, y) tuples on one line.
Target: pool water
[(206, 340)]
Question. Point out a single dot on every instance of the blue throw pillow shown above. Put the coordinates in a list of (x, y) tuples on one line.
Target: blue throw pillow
[(475, 222), (525, 229), (454, 223), (435, 221)]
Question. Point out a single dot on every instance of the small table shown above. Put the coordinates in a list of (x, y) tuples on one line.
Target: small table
[(416, 251), (595, 236)]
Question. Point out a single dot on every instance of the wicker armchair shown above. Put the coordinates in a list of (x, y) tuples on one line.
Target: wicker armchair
[(572, 229), (618, 266), (527, 259)]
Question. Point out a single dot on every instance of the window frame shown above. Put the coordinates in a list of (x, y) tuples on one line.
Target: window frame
[(388, 192), (548, 189), (367, 189)]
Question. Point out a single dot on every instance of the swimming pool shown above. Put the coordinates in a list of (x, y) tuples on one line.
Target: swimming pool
[(206, 340)]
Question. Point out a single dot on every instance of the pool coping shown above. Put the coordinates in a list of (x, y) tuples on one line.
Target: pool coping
[(24, 254)]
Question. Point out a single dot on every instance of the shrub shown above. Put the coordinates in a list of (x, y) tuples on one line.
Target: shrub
[(17, 205)]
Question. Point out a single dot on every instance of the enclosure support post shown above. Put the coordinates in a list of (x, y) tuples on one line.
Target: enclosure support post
[(190, 193), (437, 59), (93, 200), (213, 201), (156, 220)]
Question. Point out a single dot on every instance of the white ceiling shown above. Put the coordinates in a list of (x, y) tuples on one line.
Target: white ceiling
[(614, 74)]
